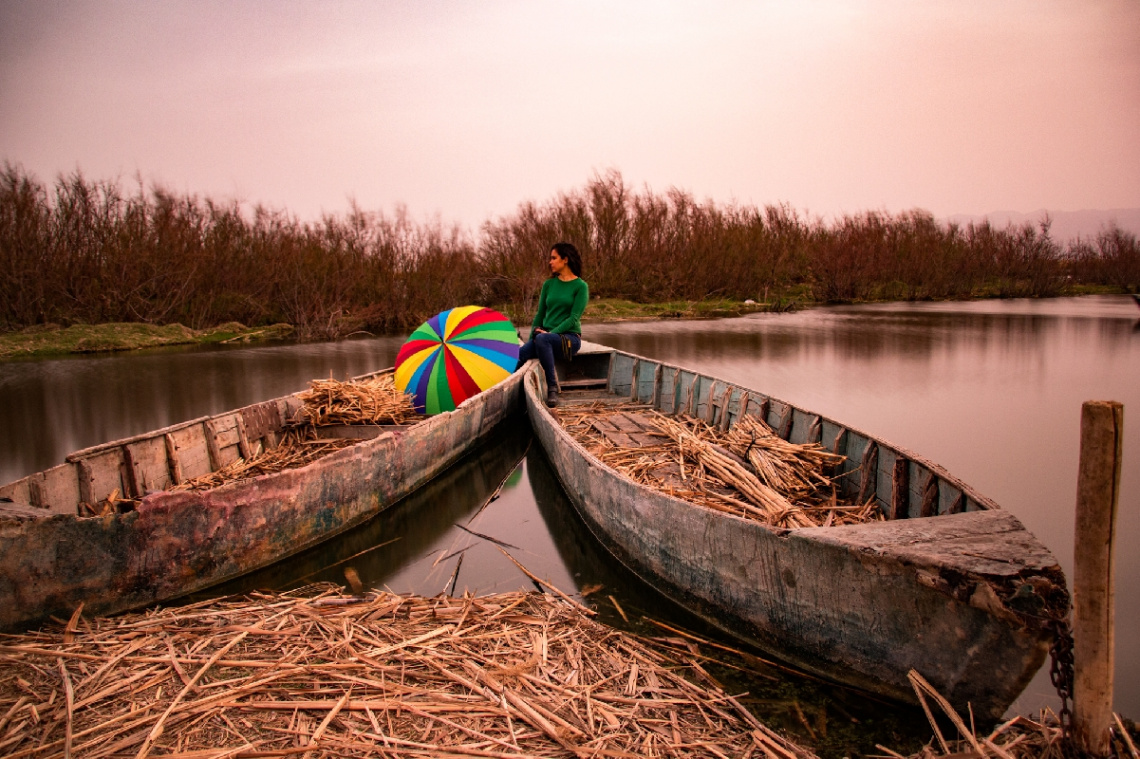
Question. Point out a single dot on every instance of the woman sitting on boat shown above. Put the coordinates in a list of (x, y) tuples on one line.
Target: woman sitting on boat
[(557, 328)]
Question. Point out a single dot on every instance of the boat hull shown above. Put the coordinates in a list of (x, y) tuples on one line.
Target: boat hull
[(858, 604), (179, 542)]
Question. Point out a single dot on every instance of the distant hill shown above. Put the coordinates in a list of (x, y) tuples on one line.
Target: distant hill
[(1067, 225)]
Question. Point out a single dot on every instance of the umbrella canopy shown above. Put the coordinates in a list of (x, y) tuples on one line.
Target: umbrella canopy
[(455, 355)]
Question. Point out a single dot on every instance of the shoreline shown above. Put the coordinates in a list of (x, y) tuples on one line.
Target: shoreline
[(52, 340)]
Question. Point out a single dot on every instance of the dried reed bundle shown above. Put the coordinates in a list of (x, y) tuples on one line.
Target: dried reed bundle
[(788, 467), (776, 482), (298, 446), (373, 401), (313, 673), (775, 509), (1017, 738)]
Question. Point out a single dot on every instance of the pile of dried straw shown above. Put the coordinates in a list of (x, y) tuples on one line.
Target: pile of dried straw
[(748, 471), (318, 674)]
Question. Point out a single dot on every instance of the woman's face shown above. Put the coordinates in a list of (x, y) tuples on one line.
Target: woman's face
[(557, 263)]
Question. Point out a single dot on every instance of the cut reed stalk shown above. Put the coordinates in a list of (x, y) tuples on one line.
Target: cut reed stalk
[(315, 673)]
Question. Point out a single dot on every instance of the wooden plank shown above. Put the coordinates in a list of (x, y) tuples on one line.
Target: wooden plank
[(150, 464), (710, 404), (288, 408), (676, 399), (243, 440), (19, 510), (16, 492), (60, 489), (212, 447), (634, 379), (357, 431), (582, 384), (785, 428), (690, 400), (192, 451), (625, 423), (900, 486), (132, 486), (815, 430), (104, 475), (172, 462), (86, 492), (869, 467), (726, 408), (225, 431), (260, 421), (929, 496), (655, 394), (36, 491), (619, 438), (89, 452), (222, 440)]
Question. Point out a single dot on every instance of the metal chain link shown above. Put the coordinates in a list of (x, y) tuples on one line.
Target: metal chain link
[(1061, 675)]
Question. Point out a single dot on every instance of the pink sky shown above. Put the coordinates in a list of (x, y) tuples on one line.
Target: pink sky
[(466, 109)]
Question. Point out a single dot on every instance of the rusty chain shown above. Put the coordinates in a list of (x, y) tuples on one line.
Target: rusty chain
[(1061, 675)]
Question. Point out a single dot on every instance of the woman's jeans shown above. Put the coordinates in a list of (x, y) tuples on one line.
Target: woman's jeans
[(545, 346)]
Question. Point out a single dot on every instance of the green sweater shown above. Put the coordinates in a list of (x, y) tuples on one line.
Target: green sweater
[(560, 306)]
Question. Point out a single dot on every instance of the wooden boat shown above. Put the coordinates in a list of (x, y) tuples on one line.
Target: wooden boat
[(176, 542), (948, 584)]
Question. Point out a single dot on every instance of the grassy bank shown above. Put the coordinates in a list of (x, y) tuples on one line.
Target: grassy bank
[(88, 252), (52, 339)]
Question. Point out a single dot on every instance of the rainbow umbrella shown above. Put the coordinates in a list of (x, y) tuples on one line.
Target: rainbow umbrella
[(454, 355)]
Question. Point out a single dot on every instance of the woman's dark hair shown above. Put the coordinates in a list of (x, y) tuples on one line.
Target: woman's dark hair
[(570, 253)]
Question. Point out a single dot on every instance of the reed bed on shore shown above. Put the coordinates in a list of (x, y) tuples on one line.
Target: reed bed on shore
[(83, 251), (748, 471), (317, 674), (327, 402)]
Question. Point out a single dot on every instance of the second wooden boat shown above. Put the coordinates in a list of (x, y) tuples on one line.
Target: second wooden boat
[(948, 584), (55, 555)]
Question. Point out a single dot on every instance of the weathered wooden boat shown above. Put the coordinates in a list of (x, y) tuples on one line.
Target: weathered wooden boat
[(948, 584), (171, 543)]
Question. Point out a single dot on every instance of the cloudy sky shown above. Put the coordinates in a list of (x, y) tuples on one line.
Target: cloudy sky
[(466, 109)]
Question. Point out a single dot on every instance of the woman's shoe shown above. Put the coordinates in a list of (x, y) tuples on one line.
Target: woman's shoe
[(551, 398)]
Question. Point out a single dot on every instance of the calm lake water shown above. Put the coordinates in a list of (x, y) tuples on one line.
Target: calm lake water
[(990, 390)]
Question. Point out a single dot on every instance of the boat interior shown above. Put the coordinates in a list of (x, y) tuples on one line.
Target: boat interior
[(904, 484)]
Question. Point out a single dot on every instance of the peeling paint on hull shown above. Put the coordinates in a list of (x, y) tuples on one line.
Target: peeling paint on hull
[(181, 542), (858, 604)]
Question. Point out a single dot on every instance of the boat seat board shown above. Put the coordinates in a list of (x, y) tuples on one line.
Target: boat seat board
[(987, 542), (627, 431)]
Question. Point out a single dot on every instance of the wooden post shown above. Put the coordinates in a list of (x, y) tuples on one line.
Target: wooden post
[(1098, 491)]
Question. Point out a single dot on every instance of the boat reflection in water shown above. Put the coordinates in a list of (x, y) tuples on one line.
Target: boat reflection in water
[(426, 544)]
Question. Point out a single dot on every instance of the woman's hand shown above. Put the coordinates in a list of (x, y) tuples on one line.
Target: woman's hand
[(539, 331)]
